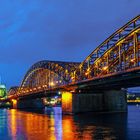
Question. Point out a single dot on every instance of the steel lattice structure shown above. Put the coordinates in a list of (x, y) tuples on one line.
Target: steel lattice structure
[(119, 52), (13, 90), (47, 74)]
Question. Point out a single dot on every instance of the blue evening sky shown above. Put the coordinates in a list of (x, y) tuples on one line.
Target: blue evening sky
[(67, 30)]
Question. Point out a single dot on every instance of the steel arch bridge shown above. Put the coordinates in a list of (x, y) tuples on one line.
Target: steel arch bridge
[(118, 53), (47, 74)]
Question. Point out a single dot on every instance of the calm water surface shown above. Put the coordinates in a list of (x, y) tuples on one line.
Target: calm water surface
[(51, 125)]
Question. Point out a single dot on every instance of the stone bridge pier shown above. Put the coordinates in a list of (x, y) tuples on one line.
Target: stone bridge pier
[(105, 101), (28, 103)]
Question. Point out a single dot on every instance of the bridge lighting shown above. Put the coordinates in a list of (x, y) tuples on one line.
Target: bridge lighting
[(105, 67), (45, 86), (34, 88), (31, 90), (14, 101), (66, 71), (51, 84), (67, 100), (39, 87), (132, 60), (72, 77), (72, 91), (88, 71)]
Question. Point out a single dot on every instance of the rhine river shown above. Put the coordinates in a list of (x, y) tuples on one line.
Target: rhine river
[(51, 125)]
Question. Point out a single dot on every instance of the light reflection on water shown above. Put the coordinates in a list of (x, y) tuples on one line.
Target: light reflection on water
[(51, 125)]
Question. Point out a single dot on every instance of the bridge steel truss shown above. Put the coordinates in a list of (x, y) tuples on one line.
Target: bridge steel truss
[(13, 90), (119, 52), (47, 74)]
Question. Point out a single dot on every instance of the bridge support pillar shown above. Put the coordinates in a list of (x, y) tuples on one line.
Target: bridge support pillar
[(104, 101), (14, 103), (115, 101), (29, 104), (73, 103)]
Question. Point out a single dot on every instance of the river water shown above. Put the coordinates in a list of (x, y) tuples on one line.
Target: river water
[(49, 124)]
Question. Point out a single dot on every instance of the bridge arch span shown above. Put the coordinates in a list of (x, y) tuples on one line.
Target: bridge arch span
[(48, 74), (118, 52)]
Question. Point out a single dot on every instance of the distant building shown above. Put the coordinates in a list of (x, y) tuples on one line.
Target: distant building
[(3, 91), (133, 97)]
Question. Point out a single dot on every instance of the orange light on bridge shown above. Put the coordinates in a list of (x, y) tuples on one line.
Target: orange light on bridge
[(39, 87), (132, 60), (34, 88), (105, 68), (44, 86), (51, 84), (86, 73), (88, 70), (73, 79)]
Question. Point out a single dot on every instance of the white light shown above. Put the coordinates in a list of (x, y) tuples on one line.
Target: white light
[(2, 86)]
